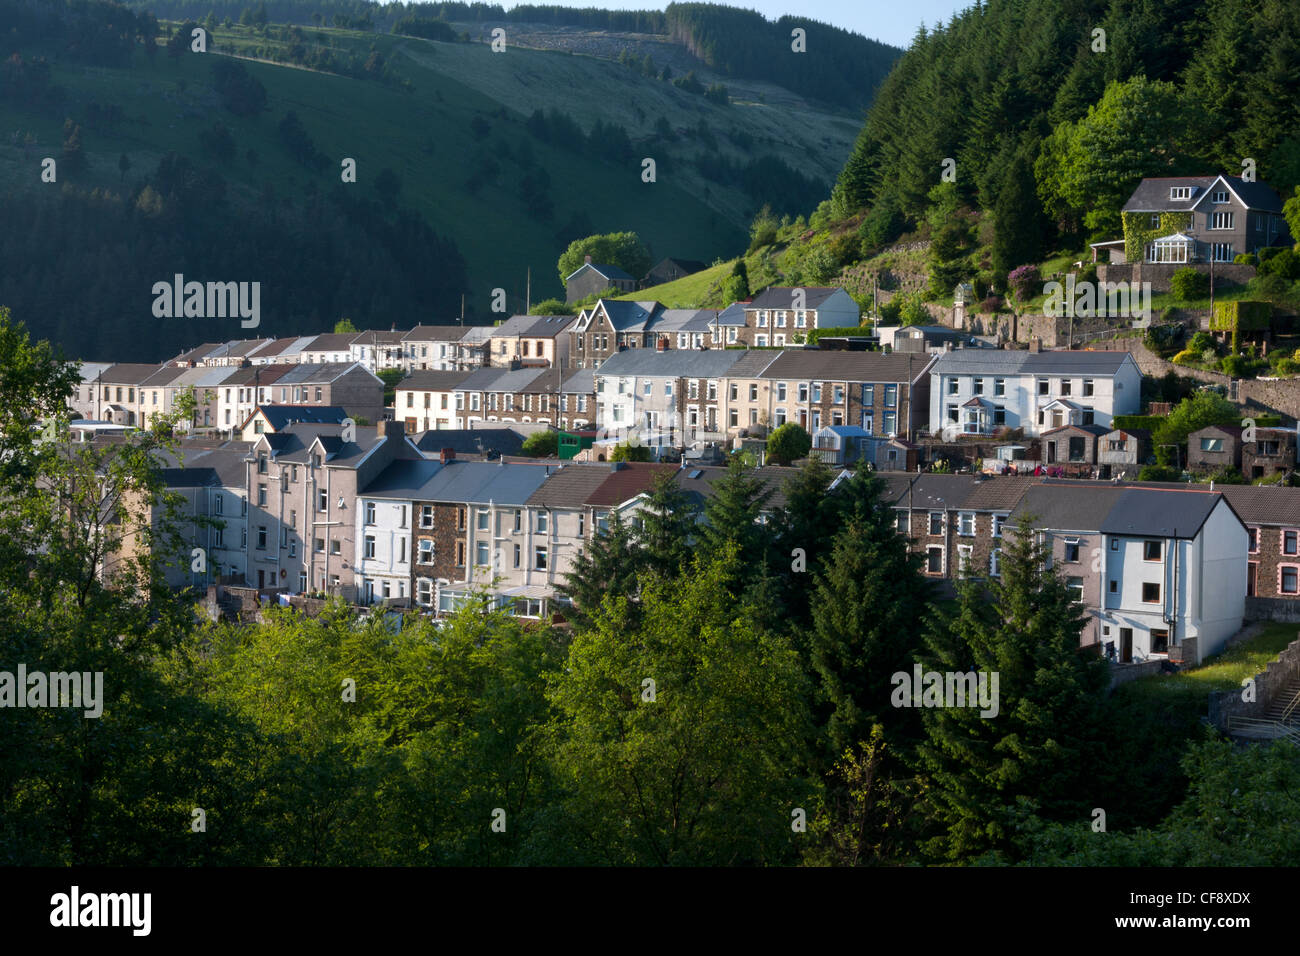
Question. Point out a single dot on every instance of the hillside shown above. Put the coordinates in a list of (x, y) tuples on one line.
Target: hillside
[(502, 158)]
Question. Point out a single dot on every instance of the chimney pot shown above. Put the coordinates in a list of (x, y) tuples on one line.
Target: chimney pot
[(446, 455), (586, 259)]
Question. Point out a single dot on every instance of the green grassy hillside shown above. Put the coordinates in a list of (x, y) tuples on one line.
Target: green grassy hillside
[(448, 111)]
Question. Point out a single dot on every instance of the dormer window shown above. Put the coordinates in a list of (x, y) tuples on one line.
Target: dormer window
[(1180, 192)]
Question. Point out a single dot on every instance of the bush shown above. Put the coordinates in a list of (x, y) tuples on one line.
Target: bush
[(992, 304), (1164, 340), (788, 443), (1227, 475), (1025, 281), (1188, 284), (1202, 341), (1187, 357), (1245, 259), (1233, 365), (1158, 473), (1285, 264), (541, 444), (626, 452)]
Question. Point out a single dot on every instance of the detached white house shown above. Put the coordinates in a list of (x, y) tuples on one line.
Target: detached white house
[(977, 391)]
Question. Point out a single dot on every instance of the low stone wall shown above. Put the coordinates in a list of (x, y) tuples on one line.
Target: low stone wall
[(1273, 609), (1123, 673), (1227, 704), (1158, 273)]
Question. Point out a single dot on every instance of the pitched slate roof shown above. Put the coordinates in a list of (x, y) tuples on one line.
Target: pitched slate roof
[(836, 366), (433, 381), (628, 316), (1167, 510), (1166, 513), (699, 482), (581, 382), (470, 441), (683, 320), (403, 480), (499, 379), (1095, 430), (334, 342), (571, 486), (626, 481), (486, 482), (1009, 362), (674, 363), (1152, 195), (534, 326), (128, 373), (733, 314), (311, 373), (279, 416), (781, 297), (435, 333)]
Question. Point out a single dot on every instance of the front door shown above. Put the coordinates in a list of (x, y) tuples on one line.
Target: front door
[(1051, 452), (261, 578), (1126, 645)]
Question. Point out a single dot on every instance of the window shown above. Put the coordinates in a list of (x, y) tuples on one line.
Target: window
[(261, 494), (322, 501), (424, 591), (803, 392), (760, 341), (837, 395), (964, 552), (460, 554), (817, 392), (261, 464), (370, 546), (753, 393), (319, 545), (936, 522), (582, 522), (1254, 540), (1220, 195), (335, 546), (995, 563), (1075, 587), (1289, 539), (1222, 251), (1043, 386), (543, 521), (900, 521), (1114, 544), (1180, 192), (1114, 587), (868, 395), (426, 551), (370, 512), (999, 522), (217, 504), (293, 548), (426, 516), (539, 558), (952, 386), (1065, 386), (483, 520), (1150, 593), (780, 391), (1288, 579), (891, 423), (966, 524), (1072, 552), (1151, 550), (934, 560), (482, 557), (1221, 220), (261, 537), (518, 553)]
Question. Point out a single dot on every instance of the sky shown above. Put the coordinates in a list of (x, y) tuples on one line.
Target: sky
[(894, 22)]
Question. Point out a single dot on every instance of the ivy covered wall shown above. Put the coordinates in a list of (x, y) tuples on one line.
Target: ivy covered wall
[(1138, 231)]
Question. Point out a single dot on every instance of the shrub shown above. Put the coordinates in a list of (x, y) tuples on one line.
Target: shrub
[(1227, 475), (1188, 284), (1285, 264), (992, 304), (1245, 259), (788, 443), (1233, 365), (541, 444), (1025, 281), (1187, 357), (1201, 341), (627, 452), (1158, 473)]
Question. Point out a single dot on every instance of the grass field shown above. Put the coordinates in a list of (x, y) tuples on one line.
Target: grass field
[(425, 136)]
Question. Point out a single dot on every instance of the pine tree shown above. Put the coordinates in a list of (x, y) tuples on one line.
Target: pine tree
[(731, 516), (667, 523), (1039, 750), (606, 565)]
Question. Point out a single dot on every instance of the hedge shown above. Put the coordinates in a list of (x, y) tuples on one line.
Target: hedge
[(815, 334), (1243, 315), (1130, 422)]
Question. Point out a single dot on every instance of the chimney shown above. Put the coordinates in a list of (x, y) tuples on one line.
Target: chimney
[(394, 429), (661, 344), (1035, 344), (587, 259), (447, 455)]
